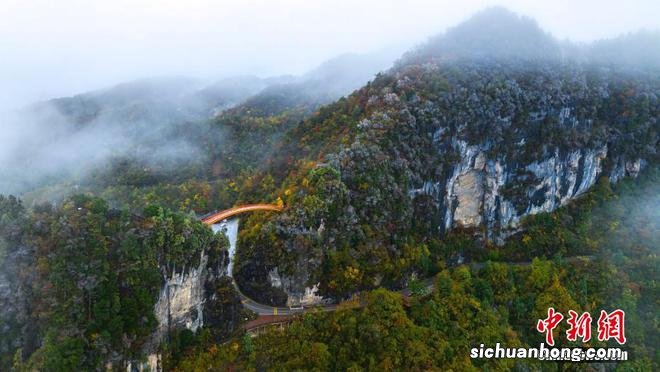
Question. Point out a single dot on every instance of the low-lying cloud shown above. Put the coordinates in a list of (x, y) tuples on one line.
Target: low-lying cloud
[(43, 146)]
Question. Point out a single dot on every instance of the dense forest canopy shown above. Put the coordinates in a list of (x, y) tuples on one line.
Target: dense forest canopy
[(614, 231)]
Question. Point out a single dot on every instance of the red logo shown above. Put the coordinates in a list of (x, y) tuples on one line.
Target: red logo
[(548, 324), (610, 326), (580, 327)]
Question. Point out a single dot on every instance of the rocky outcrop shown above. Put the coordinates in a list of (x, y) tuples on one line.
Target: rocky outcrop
[(297, 295), (623, 168), (185, 293), (181, 300), (464, 189), (497, 194), (180, 305), (191, 298)]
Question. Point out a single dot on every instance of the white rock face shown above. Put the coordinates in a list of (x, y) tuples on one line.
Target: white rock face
[(182, 297), (180, 304), (473, 194), (296, 298), (469, 197), (311, 297), (591, 170), (623, 168), (466, 164), (559, 177), (181, 300)]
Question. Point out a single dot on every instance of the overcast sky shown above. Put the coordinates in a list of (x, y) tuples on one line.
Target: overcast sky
[(53, 48)]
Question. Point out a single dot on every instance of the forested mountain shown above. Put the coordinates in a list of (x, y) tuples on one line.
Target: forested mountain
[(445, 144), (516, 171), (161, 131), (437, 148), (498, 300), (173, 100)]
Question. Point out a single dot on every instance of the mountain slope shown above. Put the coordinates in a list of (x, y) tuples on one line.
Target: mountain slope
[(432, 149), (163, 132)]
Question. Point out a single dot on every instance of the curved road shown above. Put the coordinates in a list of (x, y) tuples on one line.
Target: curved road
[(276, 314), (247, 302), (262, 309)]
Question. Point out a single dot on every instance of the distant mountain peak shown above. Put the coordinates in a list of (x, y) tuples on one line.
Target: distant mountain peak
[(493, 33)]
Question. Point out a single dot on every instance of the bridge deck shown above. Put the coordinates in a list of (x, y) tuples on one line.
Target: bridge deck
[(222, 215)]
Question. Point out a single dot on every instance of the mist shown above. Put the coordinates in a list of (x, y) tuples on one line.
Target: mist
[(156, 126), (52, 49), (43, 147), (134, 77)]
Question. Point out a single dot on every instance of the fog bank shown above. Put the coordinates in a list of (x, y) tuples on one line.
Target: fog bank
[(61, 48)]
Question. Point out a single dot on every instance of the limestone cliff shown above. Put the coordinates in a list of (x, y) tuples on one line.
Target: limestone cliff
[(196, 297), (433, 147), (479, 190)]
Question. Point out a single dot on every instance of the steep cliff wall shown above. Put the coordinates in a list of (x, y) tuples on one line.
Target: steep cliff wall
[(196, 297), (181, 300), (298, 294), (481, 191), (489, 194), (435, 147), (188, 293)]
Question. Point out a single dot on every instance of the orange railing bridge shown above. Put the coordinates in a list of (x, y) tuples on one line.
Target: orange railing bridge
[(223, 215)]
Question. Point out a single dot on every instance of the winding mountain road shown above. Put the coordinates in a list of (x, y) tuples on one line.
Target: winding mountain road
[(272, 315), (247, 302)]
